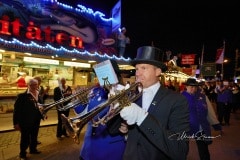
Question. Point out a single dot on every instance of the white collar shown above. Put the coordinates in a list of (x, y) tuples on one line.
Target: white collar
[(153, 88), (34, 95)]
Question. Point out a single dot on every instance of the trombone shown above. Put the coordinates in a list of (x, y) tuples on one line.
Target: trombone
[(123, 98)]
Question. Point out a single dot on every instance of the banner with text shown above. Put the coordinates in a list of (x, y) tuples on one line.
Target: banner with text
[(208, 69), (188, 59)]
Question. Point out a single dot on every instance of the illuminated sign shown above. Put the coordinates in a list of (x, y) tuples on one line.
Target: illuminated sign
[(77, 64), (33, 32), (40, 60), (48, 27), (188, 58)]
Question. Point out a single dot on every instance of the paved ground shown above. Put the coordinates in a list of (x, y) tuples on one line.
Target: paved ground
[(51, 147), (226, 147)]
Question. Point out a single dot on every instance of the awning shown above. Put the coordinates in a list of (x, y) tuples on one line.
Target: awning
[(177, 74)]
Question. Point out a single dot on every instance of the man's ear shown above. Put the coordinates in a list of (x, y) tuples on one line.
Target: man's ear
[(158, 72)]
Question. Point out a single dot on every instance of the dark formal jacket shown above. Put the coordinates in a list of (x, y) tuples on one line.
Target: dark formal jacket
[(58, 94), (159, 135), (26, 112)]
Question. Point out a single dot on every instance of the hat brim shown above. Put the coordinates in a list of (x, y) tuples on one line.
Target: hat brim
[(193, 84), (152, 62)]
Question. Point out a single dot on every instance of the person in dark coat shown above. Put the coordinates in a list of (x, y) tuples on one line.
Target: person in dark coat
[(27, 117), (158, 119), (224, 102), (62, 91), (235, 98), (42, 94), (199, 122)]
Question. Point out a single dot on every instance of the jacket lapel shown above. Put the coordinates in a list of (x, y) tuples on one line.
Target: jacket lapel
[(157, 98)]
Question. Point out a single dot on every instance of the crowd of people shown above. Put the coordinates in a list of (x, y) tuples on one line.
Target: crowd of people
[(149, 127)]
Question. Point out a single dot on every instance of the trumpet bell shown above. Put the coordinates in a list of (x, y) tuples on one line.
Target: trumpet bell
[(123, 99), (80, 97), (71, 127), (68, 125)]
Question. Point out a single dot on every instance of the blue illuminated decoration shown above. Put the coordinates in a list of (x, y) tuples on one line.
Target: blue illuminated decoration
[(82, 9), (59, 50)]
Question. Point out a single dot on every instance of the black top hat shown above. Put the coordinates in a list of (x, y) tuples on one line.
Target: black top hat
[(192, 82), (150, 55)]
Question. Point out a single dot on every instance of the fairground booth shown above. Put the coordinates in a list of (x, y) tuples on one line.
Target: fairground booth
[(50, 39)]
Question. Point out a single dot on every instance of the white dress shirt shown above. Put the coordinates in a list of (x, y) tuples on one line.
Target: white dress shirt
[(148, 95)]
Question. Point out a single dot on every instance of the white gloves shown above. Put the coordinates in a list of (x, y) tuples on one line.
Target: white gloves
[(113, 91), (133, 114), (115, 88)]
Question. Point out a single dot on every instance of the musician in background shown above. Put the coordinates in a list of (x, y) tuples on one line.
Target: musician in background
[(200, 110), (98, 143), (43, 94), (27, 117), (62, 91), (224, 102)]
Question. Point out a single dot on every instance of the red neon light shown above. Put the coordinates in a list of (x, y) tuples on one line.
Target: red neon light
[(16, 27), (35, 33), (5, 25)]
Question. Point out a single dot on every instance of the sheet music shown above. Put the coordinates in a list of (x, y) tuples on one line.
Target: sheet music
[(105, 70)]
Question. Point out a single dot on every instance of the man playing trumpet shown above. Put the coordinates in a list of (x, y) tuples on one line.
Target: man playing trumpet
[(158, 119)]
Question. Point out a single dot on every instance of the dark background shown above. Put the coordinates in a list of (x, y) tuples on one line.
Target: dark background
[(179, 26)]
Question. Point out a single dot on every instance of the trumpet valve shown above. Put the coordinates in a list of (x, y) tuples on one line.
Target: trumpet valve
[(95, 123)]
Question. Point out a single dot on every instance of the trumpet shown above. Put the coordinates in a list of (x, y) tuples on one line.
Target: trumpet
[(123, 98), (81, 97)]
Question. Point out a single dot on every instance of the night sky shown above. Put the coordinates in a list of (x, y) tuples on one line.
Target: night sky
[(185, 27), (179, 26)]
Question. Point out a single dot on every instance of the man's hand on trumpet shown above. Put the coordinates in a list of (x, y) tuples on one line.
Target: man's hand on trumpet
[(114, 90), (41, 109), (133, 114)]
